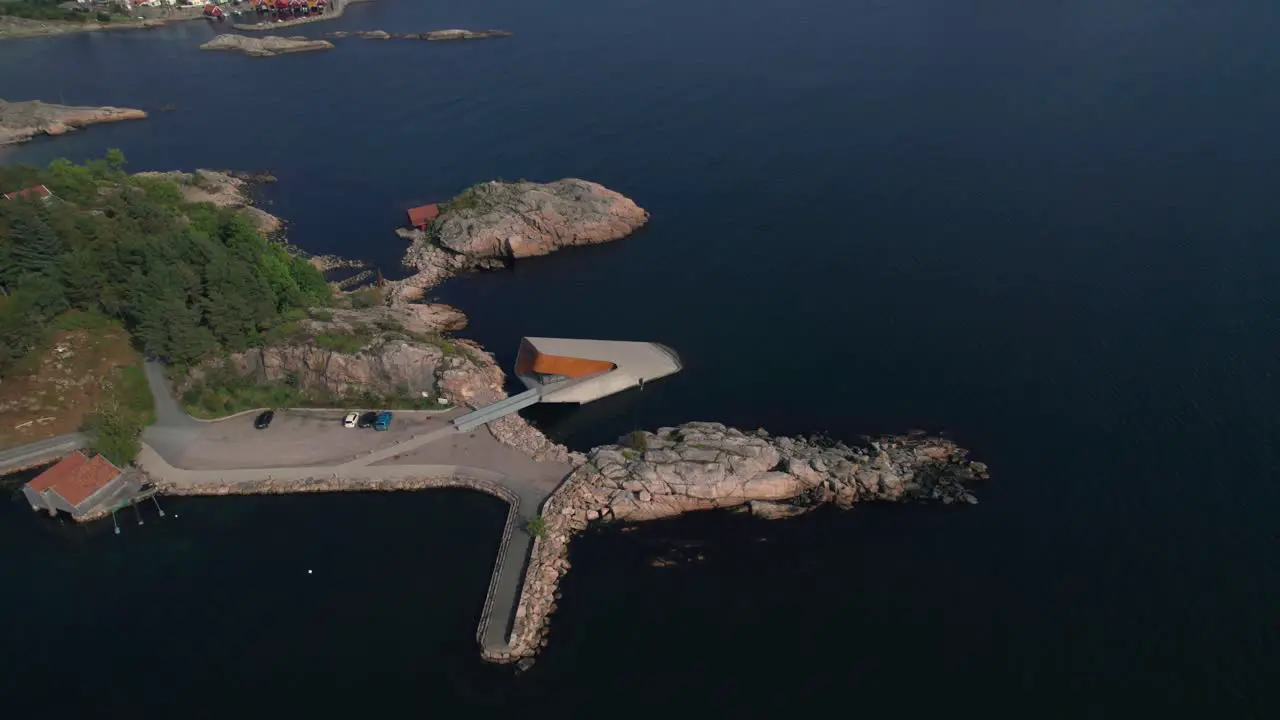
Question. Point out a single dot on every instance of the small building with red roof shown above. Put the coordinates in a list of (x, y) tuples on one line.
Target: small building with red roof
[(421, 217), (75, 485), (35, 192)]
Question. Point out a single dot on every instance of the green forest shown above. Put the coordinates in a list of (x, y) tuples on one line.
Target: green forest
[(40, 10), (188, 280)]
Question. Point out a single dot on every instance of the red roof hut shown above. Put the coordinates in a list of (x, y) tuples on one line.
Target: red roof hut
[(421, 217)]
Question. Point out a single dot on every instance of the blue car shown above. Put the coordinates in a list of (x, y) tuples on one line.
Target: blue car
[(383, 421)]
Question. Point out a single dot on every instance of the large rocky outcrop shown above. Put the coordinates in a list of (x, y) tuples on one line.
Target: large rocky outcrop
[(495, 222), (399, 351), (701, 466), (268, 46), (21, 121)]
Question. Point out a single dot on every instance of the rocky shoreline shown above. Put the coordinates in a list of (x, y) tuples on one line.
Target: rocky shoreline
[(704, 466), (224, 189), (12, 28), (21, 121)]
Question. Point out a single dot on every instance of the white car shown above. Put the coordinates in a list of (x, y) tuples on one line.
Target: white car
[(350, 420)]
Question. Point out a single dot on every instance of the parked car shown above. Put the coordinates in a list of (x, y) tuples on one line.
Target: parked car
[(367, 420), (350, 420), (383, 422), (263, 420)]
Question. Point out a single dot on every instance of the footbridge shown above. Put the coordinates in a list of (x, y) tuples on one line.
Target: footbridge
[(502, 408)]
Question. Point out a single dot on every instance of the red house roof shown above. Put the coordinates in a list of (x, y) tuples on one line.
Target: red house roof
[(35, 192), (422, 216), (76, 477)]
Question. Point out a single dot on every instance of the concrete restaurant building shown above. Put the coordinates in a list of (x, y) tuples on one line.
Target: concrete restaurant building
[(596, 367)]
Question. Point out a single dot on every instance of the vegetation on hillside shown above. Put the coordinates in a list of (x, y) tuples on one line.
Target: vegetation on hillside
[(123, 410), (221, 391), (42, 10), (188, 280)]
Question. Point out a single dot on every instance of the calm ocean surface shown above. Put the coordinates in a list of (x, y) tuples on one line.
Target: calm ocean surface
[(1047, 229)]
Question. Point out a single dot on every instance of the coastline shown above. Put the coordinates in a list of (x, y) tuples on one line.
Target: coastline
[(555, 492), (24, 120), (333, 14), (19, 28)]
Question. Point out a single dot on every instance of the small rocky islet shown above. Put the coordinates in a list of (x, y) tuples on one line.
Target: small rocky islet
[(268, 46), (272, 45), (430, 35)]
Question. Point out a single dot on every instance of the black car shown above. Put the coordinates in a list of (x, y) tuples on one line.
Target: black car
[(367, 420), (264, 420)]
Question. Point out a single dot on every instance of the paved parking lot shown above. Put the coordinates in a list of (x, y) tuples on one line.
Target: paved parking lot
[(297, 438)]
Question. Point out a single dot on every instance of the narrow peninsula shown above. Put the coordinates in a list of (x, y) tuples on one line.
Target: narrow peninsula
[(21, 121)]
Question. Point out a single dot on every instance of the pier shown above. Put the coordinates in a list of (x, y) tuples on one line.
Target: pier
[(42, 452)]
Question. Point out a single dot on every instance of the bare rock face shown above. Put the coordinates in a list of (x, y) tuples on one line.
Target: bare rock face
[(21, 121), (268, 46), (402, 352), (701, 466), (386, 367), (519, 220), (494, 222), (439, 35)]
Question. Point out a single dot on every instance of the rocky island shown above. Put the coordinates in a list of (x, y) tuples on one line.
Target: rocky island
[(441, 35), (430, 35), (268, 46), (494, 223), (21, 121), (705, 466)]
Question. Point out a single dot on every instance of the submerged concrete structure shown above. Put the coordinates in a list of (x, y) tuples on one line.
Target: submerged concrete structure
[(566, 370)]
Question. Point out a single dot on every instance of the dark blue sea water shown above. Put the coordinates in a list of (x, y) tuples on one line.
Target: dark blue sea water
[(1046, 229)]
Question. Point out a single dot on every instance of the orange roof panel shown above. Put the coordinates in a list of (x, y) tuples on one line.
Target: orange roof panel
[(76, 477), (422, 215)]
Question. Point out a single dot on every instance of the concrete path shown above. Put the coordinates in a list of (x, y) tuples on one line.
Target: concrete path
[(419, 448), (174, 429), (40, 452), (422, 448)]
